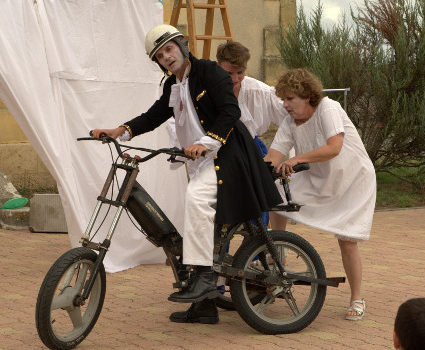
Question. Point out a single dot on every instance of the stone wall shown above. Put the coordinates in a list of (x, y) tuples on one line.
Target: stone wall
[(254, 23), (20, 163), (18, 160)]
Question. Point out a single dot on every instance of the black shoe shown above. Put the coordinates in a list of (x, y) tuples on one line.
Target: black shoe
[(203, 312), (204, 286)]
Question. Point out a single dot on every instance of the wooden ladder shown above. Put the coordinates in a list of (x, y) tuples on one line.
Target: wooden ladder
[(208, 36)]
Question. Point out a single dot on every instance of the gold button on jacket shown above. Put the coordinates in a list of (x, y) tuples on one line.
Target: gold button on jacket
[(220, 182), (217, 168)]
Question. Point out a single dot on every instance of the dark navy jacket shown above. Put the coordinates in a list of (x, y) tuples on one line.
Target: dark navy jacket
[(245, 186)]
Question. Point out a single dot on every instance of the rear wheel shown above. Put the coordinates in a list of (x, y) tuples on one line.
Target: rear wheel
[(285, 307), (62, 323)]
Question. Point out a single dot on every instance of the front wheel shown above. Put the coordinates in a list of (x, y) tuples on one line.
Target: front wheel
[(285, 307), (62, 323)]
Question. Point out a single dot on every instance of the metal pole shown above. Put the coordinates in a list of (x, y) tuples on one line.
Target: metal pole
[(345, 90)]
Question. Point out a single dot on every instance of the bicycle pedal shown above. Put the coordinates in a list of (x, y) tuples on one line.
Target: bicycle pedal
[(180, 284)]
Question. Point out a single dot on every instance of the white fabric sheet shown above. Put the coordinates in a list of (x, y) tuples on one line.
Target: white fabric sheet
[(67, 67), (339, 194)]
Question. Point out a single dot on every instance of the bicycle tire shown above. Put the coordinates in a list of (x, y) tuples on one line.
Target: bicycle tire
[(55, 301), (279, 320)]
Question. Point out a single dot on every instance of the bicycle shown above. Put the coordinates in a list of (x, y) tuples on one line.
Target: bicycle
[(271, 297)]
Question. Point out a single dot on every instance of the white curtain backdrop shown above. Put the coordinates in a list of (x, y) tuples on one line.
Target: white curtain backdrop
[(69, 66)]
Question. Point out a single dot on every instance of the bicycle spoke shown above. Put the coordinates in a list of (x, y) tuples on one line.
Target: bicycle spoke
[(68, 277), (281, 253), (261, 307), (291, 303), (81, 277), (75, 316), (63, 300)]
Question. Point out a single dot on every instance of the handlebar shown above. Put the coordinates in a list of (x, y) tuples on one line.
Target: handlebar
[(173, 152), (301, 167)]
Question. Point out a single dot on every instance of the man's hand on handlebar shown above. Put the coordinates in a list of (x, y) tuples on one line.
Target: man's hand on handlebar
[(195, 151), (114, 133)]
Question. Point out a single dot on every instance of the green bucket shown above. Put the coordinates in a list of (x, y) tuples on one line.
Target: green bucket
[(15, 203)]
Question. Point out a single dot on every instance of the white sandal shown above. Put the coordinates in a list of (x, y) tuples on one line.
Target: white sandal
[(359, 307)]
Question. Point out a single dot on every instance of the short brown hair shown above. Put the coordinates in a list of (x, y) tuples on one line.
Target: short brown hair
[(234, 53), (302, 83)]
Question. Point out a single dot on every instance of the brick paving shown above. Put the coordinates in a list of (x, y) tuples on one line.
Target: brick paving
[(136, 310)]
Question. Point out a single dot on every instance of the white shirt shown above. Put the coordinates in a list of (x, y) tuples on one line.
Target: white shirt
[(338, 194), (259, 106), (188, 127)]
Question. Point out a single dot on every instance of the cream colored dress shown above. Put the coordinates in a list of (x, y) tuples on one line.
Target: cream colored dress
[(338, 194)]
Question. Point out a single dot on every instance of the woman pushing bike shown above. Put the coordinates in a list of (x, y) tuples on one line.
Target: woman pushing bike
[(230, 184), (340, 189)]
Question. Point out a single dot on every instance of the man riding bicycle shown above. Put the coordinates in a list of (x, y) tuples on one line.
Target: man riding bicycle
[(230, 184)]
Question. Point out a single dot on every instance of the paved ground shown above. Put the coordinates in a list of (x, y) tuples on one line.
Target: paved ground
[(135, 314)]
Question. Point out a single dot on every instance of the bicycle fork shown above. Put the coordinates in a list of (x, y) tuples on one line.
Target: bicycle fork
[(132, 170), (271, 247)]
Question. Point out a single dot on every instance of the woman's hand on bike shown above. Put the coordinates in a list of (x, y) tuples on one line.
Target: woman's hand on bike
[(275, 157), (287, 166), (195, 151), (114, 133)]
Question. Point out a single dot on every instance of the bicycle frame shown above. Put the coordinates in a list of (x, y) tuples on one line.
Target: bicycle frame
[(274, 294), (160, 231)]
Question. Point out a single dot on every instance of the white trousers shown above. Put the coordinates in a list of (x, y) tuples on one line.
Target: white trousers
[(199, 214)]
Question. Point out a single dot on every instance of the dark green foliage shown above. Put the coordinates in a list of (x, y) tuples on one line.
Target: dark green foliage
[(381, 58)]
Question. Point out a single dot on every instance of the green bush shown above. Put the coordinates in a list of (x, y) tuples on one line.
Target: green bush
[(381, 58)]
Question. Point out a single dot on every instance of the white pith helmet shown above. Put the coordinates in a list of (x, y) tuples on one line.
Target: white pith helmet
[(158, 36)]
